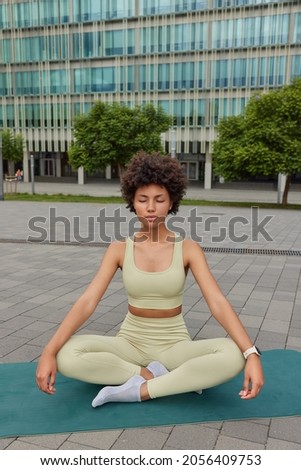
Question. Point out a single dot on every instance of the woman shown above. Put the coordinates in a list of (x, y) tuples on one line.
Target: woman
[(152, 355)]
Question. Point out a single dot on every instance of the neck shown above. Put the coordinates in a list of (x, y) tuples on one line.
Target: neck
[(158, 234)]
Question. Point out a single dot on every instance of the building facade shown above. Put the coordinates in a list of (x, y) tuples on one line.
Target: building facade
[(199, 59)]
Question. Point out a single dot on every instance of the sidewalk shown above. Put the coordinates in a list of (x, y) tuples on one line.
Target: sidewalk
[(257, 192), (40, 281)]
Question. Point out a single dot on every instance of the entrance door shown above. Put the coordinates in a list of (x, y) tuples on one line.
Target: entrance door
[(49, 166), (191, 170)]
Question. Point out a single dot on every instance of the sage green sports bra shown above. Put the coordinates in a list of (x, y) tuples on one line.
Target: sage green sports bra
[(154, 290)]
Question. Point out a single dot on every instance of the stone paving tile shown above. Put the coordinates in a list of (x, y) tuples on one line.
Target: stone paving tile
[(259, 294), (5, 332), (194, 436), (5, 442), (246, 430), (16, 310), (18, 322), (294, 343), (226, 443), (255, 307), (250, 321), (49, 441), (25, 353), (278, 444), (22, 445), (286, 428), (142, 438), (97, 439), (69, 445), (5, 305), (275, 326), (9, 344), (296, 332)]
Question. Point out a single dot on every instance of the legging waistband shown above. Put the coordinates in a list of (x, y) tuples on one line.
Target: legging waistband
[(155, 321), (150, 330)]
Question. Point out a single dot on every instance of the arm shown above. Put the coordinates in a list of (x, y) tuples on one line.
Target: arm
[(223, 312), (77, 316)]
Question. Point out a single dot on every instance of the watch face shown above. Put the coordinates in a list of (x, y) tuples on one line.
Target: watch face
[(258, 350)]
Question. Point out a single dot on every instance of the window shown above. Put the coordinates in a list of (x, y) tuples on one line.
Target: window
[(221, 74), (4, 88), (94, 80), (296, 66), (184, 75), (297, 29), (239, 72)]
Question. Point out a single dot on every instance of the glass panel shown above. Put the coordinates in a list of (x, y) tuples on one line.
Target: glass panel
[(201, 75), (163, 77), (192, 172), (201, 107), (10, 115), (4, 22), (239, 72), (4, 90), (296, 66), (58, 81), (221, 74), (114, 42), (297, 29), (184, 75), (95, 10)]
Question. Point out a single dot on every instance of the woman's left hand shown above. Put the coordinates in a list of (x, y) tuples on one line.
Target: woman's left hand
[(254, 378)]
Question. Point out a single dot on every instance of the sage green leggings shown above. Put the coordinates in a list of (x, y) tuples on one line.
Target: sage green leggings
[(193, 365)]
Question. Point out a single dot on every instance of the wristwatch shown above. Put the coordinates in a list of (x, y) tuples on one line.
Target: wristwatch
[(253, 350)]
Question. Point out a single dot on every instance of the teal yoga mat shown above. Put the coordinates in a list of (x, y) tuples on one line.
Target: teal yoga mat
[(24, 410)]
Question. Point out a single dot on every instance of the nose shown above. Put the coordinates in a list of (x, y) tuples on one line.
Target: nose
[(150, 206)]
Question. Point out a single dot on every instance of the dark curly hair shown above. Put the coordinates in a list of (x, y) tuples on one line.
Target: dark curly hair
[(154, 168)]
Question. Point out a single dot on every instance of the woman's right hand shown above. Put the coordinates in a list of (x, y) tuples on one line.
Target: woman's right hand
[(46, 373)]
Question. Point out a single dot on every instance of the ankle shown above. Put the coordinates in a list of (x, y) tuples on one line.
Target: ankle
[(144, 392), (146, 374)]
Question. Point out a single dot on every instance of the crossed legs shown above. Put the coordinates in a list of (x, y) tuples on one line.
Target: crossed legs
[(187, 366)]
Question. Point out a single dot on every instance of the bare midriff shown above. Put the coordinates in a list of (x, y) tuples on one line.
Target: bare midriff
[(154, 313)]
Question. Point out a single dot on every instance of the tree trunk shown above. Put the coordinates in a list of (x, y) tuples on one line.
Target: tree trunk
[(286, 189), (120, 170), (11, 168)]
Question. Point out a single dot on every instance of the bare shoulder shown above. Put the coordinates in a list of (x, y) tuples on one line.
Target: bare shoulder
[(115, 251), (192, 252), (190, 246)]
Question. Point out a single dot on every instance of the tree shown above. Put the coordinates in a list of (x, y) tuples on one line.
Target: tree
[(12, 146), (265, 139), (113, 133)]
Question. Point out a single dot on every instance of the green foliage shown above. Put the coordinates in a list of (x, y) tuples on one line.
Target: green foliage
[(118, 200), (266, 139), (12, 146), (113, 133)]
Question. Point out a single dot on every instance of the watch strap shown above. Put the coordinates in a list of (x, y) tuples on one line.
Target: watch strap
[(252, 350)]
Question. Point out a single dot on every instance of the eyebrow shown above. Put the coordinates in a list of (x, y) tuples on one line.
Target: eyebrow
[(156, 195)]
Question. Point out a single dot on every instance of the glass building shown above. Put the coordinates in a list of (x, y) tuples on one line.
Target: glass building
[(199, 59)]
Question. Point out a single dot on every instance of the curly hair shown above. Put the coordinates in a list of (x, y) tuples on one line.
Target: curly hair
[(144, 169)]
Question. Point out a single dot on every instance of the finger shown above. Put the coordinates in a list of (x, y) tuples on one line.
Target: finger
[(245, 390), (51, 382), (251, 393), (256, 388), (43, 384)]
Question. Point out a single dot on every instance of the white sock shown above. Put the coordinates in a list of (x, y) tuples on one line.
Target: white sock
[(157, 369), (127, 392)]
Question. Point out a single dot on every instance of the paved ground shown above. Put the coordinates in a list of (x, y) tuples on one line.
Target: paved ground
[(40, 281)]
